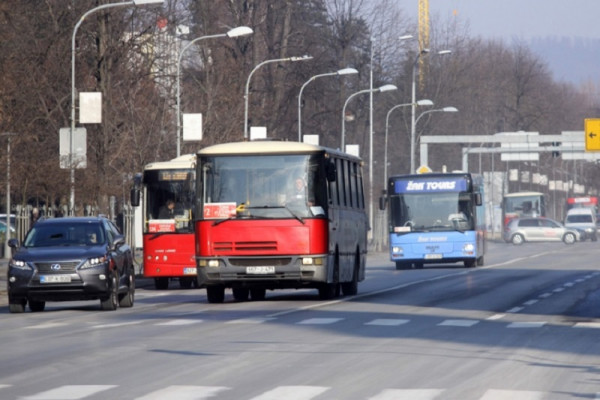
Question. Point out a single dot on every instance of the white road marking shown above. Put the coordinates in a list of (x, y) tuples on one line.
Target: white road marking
[(459, 322), (387, 322), (494, 394), (70, 392), (292, 393), (184, 393), (412, 394), (319, 321)]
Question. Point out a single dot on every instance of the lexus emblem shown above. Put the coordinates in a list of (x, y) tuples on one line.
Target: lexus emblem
[(55, 267)]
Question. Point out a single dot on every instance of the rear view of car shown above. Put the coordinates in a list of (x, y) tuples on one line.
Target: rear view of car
[(521, 230), (64, 259)]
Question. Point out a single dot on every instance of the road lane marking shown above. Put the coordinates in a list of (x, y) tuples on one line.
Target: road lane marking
[(494, 394), (249, 320), (70, 392), (412, 394), (459, 322), (319, 321), (388, 322), (179, 322), (531, 324), (181, 392), (292, 393)]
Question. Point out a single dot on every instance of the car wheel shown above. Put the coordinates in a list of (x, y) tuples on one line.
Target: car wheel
[(517, 239), (37, 306), (111, 302), (127, 299), (569, 238), (17, 307), (215, 294)]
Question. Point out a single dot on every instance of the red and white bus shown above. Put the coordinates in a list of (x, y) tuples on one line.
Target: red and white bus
[(276, 215), (169, 238)]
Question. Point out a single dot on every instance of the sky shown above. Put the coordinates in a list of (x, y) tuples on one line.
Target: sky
[(530, 21)]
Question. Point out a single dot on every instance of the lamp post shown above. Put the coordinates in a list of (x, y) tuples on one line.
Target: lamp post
[(73, 93), (424, 102), (413, 100), (8, 224), (445, 109), (233, 33), (247, 94), (345, 71), (383, 88)]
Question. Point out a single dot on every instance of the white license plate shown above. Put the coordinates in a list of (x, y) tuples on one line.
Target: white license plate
[(433, 256), (55, 278), (189, 271), (260, 270)]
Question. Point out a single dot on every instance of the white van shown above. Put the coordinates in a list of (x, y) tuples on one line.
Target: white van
[(583, 219)]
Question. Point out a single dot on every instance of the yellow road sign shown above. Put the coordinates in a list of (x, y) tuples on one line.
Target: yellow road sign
[(592, 134)]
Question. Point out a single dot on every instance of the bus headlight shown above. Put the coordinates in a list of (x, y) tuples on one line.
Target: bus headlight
[(469, 248), (397, 251)]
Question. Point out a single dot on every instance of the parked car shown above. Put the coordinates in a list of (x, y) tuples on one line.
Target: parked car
[(583, 219), (540, 229), (76, 258)]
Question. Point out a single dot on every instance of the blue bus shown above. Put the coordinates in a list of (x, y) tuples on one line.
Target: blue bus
[(435, 218)]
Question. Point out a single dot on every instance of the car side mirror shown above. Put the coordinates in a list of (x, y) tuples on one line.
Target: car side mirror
[(13, 243)]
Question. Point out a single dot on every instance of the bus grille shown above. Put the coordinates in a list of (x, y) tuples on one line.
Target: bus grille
[(245, 246), (253, 262)]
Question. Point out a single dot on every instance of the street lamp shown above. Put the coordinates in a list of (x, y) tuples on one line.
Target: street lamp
[(233, 33), (247, 94), (8, 221), (413, 100), (445, 109), (73, 94), (345, 71), (384, 88), (424, 102)]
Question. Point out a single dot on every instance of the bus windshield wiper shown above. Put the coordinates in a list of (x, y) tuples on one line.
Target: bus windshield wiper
[(284, 207)]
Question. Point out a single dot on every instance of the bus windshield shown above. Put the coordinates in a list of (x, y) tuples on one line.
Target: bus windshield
[(422, 212), (176, 186), (277, 186)]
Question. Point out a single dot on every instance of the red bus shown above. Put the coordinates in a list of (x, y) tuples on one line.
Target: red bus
[(523, 204), (279, 215), (168, 233)]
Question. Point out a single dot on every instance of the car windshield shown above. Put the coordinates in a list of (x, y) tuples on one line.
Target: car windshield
[(579, 218), (80, 234)]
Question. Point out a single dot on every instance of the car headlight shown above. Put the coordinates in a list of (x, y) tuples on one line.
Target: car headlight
[(18, 264), (94, 262)]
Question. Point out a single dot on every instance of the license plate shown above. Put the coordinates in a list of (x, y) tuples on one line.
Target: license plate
[(260, 270), (55, 278), (433, 256), (189, 271)]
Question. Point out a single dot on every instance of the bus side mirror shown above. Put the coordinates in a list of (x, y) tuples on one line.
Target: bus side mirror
[(478, 200), (330, 171), (135, 197)]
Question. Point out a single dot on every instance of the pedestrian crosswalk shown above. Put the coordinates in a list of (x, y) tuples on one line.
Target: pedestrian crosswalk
[(294, 392), (499, 320)]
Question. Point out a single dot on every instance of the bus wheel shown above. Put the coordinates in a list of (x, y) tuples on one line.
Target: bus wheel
[(470, 263), (240, 294), (351, 288), (402, 265), (258, 293), (418, 265), (215, 294), (161, 283)]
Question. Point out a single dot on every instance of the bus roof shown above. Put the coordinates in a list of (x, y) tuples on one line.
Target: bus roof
[(523, 194), (265, 147), (184, 161)]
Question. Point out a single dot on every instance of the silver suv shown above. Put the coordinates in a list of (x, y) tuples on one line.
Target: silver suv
[(520, 230)]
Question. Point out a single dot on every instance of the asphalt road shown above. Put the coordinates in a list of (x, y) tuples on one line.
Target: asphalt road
[(524, 327)]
